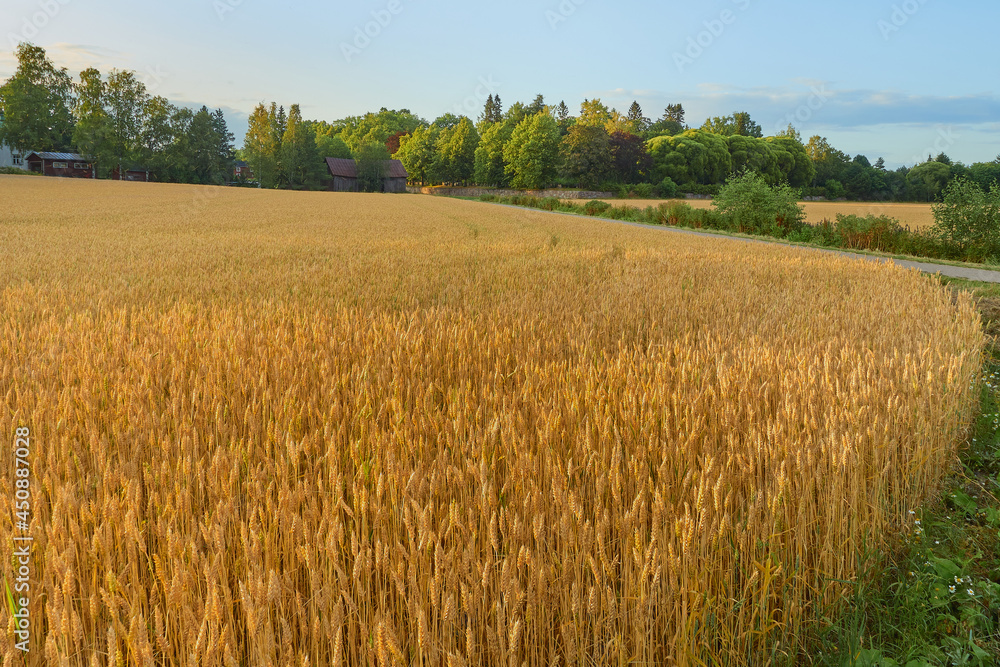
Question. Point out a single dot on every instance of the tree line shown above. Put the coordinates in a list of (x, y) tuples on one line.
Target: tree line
[(112, 119), (117, 121)]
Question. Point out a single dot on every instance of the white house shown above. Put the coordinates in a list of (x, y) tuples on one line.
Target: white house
[(11, 159)]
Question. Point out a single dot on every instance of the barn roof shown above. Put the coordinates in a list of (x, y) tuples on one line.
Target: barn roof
[(62, 156), (342, 167), (346, 168), (395, 169)]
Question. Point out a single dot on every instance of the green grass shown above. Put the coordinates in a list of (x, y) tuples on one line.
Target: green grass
[(937, 601)]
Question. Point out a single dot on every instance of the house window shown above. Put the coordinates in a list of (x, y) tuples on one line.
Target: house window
[(18, 160), (81, 165), (60, 165)]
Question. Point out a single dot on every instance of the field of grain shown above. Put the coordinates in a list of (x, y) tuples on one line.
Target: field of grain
[(915, 216), (275, 428)]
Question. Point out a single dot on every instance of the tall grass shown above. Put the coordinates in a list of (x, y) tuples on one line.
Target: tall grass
[(301, 428)]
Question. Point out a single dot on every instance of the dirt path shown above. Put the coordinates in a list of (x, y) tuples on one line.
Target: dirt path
[(981, 275)]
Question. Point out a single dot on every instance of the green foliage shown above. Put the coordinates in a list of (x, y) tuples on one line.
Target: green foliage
[(879, 233), (926, 181), (596, 207), (739, 123), (417, 152), (262, 145), (455, 153), (666, 189), (793, 161), (586, 155), (17, 171), (969, 218), (332, 146), (758, 208), (36, 104), (301, 160), (376, 127), (371, 158), (532, 154), (490, 168)]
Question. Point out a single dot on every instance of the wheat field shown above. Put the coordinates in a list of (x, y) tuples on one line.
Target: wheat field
[(914, 216), (275, 428)]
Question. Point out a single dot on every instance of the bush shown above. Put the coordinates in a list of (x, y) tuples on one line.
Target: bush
[(488, 198), (753, 206), (643, 190), (549, 203), (596, 207), (834, 189), (968, 218), (879, 233), (525, 200), (17, 171), (667, 189)]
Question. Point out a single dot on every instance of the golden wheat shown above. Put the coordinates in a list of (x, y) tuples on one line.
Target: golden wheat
[(914, 216), (278, 428)]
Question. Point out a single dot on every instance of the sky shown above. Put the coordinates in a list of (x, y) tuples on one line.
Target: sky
[(898, 79)]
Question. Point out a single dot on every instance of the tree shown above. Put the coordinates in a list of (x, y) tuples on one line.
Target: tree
[(537, 106), (490, 168), (756, 207), (455, 159), (36, 104), (926, 181), (637, 123), (417, 153), (125, 100), (392, 143), (630, 160), (593, 112), (376, 127), (829, 163), (586, 155), (755, 155), (261, 147), (447, 121), (333, 146), (371, 158), (674, 113), (738, 123), (491, 112), (159, 141), (792, 161), (791, 133), (969, 218), (91, 134), (298, 152), (532, 153)]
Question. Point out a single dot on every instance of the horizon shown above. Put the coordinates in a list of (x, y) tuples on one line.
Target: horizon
[(902, 101)]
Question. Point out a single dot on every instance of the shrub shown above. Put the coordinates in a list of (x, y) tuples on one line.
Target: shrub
[(666, 189), (968, 217), (595, 207), (488, 198), (880, 233), (754, 206), (549, 203), (17, 171), (643, 190)]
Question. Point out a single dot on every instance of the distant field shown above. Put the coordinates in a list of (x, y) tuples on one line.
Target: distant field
[(916, 216), (280, 428)]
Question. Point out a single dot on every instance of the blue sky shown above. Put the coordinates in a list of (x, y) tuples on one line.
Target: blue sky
[(897, 79)]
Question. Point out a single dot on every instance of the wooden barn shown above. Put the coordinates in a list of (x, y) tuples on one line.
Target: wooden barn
[(71, 165), (345, 175)]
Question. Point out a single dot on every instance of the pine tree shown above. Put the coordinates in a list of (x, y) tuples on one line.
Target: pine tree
[(636, 121)]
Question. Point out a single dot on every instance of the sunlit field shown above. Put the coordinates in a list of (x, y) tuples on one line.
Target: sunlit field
[(915, 216), (279, 428)]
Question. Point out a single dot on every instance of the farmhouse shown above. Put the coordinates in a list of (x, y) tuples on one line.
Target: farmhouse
[(345, 175), (72, 165)]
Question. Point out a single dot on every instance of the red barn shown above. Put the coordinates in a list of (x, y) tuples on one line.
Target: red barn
[(72, 165)]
